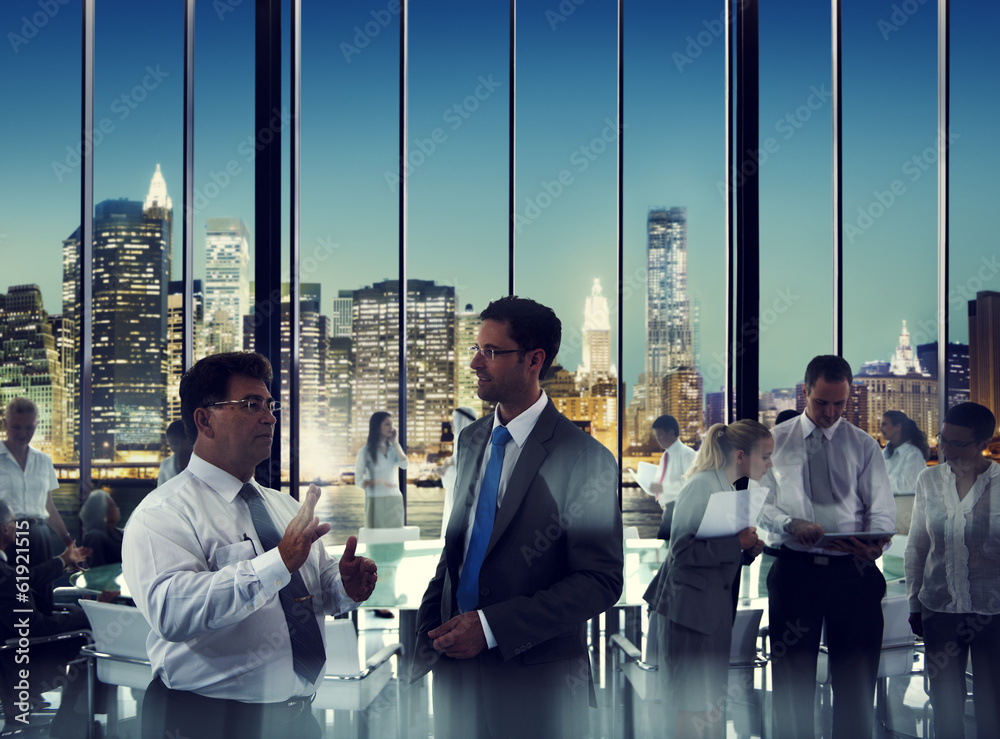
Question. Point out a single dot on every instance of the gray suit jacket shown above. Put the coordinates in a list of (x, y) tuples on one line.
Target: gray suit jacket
[(554, 559), (694, 585)]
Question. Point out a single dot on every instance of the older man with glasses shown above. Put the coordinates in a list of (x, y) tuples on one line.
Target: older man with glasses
[(236, 607)]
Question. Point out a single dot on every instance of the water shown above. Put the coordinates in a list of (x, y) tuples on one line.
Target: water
[(343, 507)]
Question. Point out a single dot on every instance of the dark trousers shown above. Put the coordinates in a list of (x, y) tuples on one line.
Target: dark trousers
[(845, 594), (948, 639), (168, 714)]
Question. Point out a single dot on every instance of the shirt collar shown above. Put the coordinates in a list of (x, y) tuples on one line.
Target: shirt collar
[(807, 427), (227, 486), (521, 426), (676, 442)]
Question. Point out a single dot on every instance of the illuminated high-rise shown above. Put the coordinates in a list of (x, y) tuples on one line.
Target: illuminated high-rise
[(669, 344), (227, 283), (984, 350), (596, 365), (30, 366), (430, 387), (131, 258), (466, 385), (175, 340)]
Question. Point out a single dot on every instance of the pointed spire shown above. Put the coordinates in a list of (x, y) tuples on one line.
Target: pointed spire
[(158, 197), (904, 361)]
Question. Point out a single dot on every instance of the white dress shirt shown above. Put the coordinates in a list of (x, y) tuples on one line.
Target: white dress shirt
[(519, 429), (198, 573), (383, 472), (952, 560), (903, 467), (27, 491), (862, 495), (679, 458)]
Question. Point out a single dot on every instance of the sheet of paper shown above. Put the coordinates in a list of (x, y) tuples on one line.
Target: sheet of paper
[(731, 511), (646, 475)]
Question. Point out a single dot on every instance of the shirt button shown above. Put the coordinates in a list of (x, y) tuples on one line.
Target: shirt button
[(250, 607), (484, 592), (278, 582)]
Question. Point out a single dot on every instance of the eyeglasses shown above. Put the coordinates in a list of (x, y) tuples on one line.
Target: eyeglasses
[(253, 406), (954, 444), (490, 354)]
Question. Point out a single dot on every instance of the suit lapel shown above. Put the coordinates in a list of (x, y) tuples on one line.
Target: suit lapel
[(470, 459), (528, 463)]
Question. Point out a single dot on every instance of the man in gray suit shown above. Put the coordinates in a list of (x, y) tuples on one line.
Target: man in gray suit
[(533, 549)]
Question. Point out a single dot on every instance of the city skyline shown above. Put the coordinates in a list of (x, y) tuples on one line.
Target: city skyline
[(566, 96)]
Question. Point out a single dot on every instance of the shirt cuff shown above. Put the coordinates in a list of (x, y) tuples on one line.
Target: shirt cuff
[(271, 571), (491, 640)]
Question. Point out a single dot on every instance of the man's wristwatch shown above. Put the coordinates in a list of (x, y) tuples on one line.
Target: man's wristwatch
[(786, 523)]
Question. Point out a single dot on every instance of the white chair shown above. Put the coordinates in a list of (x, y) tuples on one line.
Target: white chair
[(388, 536), (348, 687), (118, 654), (643, 675)]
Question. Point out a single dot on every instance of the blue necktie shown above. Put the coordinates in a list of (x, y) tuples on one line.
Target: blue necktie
[(308, 653), (482, 529)]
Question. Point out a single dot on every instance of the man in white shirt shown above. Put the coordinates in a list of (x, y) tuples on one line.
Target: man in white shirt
[(236, 608), (828, 477), (675, 461), (532, 551)]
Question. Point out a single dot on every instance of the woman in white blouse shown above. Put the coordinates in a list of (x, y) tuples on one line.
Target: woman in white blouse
[(375, 471), (953, 572), (906, 451)]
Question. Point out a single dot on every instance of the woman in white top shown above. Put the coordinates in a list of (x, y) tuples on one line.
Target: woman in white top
[(953, 572), (375, 471), (906, 451)]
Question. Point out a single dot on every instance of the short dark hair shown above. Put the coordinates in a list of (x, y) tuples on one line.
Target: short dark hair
[(830, 367), (532, 325), (176, 429), (785, 415), (208, 381), (667, 423), (978, 418)]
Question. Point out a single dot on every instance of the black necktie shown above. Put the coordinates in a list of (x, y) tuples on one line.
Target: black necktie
[(308, 654)]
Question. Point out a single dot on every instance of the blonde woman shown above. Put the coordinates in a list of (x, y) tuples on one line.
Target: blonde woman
[(692, 594)]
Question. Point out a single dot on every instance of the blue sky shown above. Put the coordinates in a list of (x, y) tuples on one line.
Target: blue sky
[(566, 96)]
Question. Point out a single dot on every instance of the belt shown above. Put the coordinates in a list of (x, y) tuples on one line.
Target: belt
[(290, 709), (32, 521), (822, 560)]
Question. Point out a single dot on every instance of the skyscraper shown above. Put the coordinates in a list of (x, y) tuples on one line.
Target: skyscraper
[(341, 325), (30, 366), (904, 360), (227, 282), (175, 340), (466, 386), (957, 364), (430, 389), (131, 256), (596, 364), (668, 310), (984, 350)]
